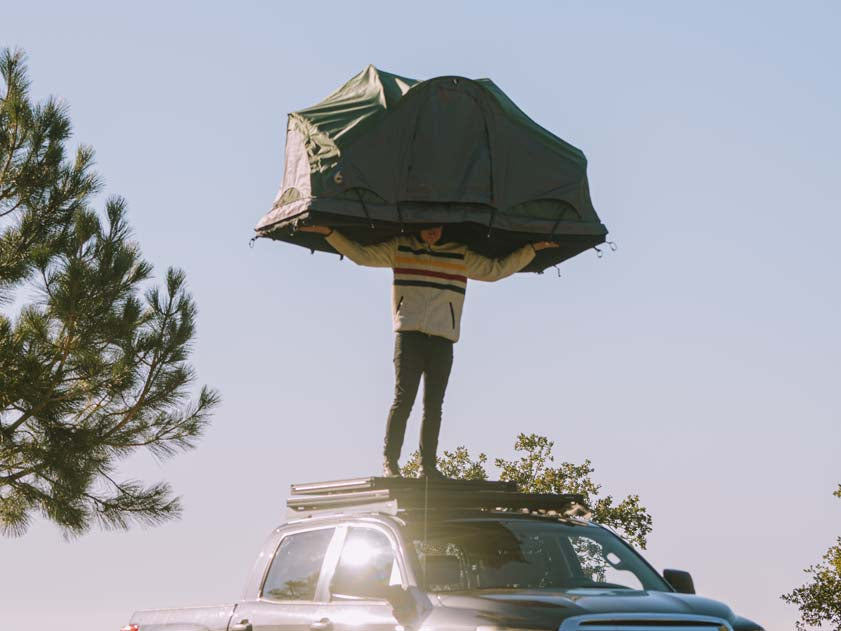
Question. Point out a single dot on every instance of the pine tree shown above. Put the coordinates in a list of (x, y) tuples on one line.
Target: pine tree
[(93, 357)]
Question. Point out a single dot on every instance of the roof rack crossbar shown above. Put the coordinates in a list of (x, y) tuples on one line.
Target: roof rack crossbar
[(384, 508), (339, 499), (398, 484), (416, 493)]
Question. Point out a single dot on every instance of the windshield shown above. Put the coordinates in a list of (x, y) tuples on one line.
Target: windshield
[(481, 554)]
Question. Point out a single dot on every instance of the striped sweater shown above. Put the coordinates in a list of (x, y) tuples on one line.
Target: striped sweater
[(430, 281)]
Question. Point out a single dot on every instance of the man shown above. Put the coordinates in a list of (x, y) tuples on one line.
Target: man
[(430, 279)]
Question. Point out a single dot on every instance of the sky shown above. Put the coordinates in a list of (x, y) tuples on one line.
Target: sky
[(696, 366)]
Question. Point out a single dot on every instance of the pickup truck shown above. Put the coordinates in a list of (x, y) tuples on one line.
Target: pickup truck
[(391, 555)]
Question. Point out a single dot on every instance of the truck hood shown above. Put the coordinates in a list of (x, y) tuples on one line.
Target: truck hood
[(547, 609)]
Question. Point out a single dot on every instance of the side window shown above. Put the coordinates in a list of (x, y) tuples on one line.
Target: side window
[(294, 572), (366, 566)]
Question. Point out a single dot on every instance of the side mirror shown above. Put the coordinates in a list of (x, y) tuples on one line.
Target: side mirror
[(410, 605), (680, 580)]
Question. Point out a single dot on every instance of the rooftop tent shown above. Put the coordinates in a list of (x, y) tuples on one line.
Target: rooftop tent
[(385, 154)]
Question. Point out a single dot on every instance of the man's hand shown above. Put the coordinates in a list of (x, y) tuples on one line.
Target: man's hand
[(542, 245), (317, 229)]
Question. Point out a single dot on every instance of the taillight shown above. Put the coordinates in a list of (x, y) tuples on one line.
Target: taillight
[(131, 627)]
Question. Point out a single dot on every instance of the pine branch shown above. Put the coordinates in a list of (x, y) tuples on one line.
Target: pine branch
[(88, 373)]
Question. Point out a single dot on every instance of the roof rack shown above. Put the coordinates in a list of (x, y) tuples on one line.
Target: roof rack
[(398, 484), (375, 494)]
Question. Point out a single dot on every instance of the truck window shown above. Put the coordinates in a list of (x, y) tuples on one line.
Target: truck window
[(600, 563), (296, 566), (366, 566), (520, 553)]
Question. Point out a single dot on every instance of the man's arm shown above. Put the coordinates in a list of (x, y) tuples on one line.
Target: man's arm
[(377, 255), (483, 268)]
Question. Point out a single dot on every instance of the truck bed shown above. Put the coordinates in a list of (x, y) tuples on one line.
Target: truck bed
[(214, 618)]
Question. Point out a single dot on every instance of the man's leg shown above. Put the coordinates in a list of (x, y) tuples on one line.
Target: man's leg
[(439, 362), (408, 367)]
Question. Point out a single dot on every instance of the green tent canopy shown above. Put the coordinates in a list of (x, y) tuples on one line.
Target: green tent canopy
[(385, 154)]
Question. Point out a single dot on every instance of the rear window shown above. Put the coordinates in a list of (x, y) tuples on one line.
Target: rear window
[(296, 566)]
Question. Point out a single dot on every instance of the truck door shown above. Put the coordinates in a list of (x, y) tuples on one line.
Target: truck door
[(367, 564), (288, 599)]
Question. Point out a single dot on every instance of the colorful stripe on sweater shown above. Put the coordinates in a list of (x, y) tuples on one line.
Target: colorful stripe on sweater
[(427, 268)]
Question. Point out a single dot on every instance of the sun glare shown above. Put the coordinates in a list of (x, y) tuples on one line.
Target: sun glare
[(357, 552)]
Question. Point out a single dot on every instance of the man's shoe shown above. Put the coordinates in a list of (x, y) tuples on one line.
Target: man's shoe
[(431, 472), (391, 469)]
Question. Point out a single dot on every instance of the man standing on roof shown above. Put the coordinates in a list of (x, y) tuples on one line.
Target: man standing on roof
[(430, 278)]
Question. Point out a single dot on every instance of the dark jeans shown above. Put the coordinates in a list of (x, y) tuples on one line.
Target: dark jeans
[(417, 354)]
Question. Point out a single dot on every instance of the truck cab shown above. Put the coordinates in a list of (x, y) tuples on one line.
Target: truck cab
[(384, 555)]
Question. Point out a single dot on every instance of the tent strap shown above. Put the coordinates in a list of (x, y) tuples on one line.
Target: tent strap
[(364, 208), (491, 222), (399, 216), (561, 216)]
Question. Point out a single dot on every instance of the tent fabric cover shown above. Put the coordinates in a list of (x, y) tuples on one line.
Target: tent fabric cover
[(386, 154)]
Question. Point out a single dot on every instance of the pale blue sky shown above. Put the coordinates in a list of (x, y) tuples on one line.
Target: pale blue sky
[(697, 366)]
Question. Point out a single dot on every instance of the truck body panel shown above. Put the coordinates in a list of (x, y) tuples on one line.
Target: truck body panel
[(185, 619)]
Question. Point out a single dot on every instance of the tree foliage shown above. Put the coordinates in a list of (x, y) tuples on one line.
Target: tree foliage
[(819, 600), (533, 472), (93, 360)]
